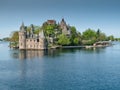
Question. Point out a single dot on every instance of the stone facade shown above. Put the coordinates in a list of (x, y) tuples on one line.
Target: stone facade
[(28, 40), (65, 28)]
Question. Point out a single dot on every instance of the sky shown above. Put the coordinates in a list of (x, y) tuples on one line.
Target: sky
[(83, 14)]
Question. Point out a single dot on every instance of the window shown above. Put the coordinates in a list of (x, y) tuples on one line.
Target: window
[(37, 40)]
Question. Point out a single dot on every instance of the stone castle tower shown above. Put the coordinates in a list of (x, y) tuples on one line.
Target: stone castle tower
[(29, 40), (65, 28), (22, 37)]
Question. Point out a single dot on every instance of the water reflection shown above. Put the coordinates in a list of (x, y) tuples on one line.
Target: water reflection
[(23, 69), (29, 54), (23, 54)]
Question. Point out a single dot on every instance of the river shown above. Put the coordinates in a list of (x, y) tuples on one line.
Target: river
[(61, 69)]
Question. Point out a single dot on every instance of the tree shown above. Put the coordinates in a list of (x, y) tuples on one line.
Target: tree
[(73, 30), (6, 39), (37, 29), (98, 34), (73, 38), (63, 40), (14, 37), (89, 34), (111, 37), (89, 37), (49, 29), (102, 37), (76, 41)]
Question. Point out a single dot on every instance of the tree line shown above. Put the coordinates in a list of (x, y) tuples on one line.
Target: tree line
[(88, 37)]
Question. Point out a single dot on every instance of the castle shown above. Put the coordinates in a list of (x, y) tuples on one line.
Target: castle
[(29, 40)]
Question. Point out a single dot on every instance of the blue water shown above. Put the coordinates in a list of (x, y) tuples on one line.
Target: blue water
[(62, 69)]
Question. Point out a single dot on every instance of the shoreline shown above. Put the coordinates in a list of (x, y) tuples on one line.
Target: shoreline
[(68, 47), (97, 45), (84, 46)]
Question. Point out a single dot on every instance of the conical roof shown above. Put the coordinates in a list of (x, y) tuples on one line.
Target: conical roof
[(22, 27), (41, 34)]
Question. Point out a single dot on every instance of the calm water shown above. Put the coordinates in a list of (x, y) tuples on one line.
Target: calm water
[(68, 69)]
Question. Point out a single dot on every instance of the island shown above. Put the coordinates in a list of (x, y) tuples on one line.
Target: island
[(53, 34)]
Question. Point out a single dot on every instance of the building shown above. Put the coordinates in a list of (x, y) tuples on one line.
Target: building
[(51, 22), (65, 28), (29, 40)]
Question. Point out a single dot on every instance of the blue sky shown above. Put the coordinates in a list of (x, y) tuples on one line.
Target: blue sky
[(83, 14)]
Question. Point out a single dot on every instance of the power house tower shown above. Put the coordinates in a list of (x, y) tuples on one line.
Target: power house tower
[(22, 37)]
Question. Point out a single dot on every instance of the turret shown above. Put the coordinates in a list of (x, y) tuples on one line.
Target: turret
[(32, 31), (41, 34), (63, 22), (22, 37), (42, 40), (28, 34), (22, 27)]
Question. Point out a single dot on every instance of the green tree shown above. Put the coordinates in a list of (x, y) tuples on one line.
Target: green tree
[(76, 41), (73, 31), (111, 37), (102, 37), (37, 29), (89, 34), (89, 37), (28, 29), (98, 34), (49, 29), (6, 39), (79, 37), (73, 38), (14, 37), (63, 40)]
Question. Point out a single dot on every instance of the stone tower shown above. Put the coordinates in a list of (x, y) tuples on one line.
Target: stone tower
[(64, 27), (42, 41), (22, 37)]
